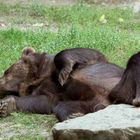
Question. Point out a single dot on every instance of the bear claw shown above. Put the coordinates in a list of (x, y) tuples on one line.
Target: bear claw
[(75, 115)]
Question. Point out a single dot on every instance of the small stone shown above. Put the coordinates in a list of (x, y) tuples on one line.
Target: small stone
[(2, 25)]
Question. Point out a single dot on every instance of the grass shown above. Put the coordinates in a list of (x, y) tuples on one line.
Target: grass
[(26, 126), (78, 26)]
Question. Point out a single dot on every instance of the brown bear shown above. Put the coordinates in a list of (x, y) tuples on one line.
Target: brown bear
[(86, 89)]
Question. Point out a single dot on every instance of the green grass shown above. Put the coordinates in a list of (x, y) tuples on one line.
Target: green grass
[(79, 26), (80, 14), (26, 126), (117, 45)]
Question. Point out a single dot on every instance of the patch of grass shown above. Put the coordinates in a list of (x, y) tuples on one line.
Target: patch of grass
[(105, 1), (30, 126), (4, 9), (110, 41), (81, 14)]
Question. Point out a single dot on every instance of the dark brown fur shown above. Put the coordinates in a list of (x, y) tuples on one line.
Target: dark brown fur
[(128, 89), (86, 89), (30, 69), (68, 60)]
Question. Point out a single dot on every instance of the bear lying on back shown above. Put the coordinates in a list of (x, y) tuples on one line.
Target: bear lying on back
[(70, 59)]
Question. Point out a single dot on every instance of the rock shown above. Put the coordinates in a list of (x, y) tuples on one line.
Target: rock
[(116, 122)]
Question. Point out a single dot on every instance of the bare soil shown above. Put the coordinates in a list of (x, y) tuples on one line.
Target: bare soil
[(47, 2), (66, 2)]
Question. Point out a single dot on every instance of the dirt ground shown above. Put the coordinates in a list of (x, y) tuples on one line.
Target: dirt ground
[(68, 2), (47, 2)]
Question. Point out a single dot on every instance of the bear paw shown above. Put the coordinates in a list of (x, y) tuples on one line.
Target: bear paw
[(7, 106)]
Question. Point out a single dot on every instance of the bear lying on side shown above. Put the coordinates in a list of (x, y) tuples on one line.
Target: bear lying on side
[(35, 77)]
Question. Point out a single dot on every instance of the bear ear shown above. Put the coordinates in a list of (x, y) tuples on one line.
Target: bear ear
[(27, 51)]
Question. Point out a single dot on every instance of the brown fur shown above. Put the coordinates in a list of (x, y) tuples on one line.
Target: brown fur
[(128, 89), (68, 60), (86, 89)]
